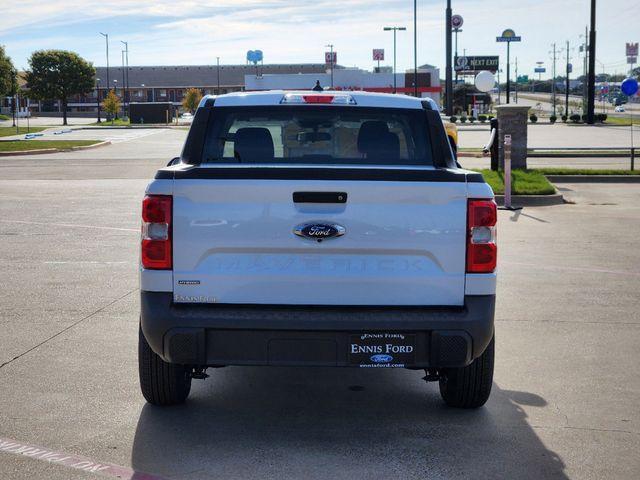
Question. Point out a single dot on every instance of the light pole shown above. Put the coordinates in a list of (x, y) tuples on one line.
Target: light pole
[(106, 38), (331, 61), (394, 30), (115, 91), (415, 48), (449, 75), (218, 71), (124, 93), (591, 94), (98, 97), (126, 81)]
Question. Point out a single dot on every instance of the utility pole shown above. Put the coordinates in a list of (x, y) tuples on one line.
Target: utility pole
[(124, 93), (591, 96), (415, 48), (585, 49), (566, 88), (449, 74), (106, 38), (553, 81), (386, 29)]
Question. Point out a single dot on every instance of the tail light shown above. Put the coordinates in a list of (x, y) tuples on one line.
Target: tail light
[(156, 232), (482, 251), (335, 99)]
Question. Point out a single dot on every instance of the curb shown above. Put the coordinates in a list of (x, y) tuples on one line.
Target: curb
[(54, 150), (532, 200), (593, 178)]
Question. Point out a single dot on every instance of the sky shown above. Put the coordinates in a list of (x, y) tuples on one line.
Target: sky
[(185, 32)]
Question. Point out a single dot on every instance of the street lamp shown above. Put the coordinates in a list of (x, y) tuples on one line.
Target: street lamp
[(331, 61), (98, 97), (394, 30), (126, 80), (115, 91), (106, 38)]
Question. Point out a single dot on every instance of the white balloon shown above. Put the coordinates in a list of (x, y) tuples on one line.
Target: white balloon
[(485, 81)]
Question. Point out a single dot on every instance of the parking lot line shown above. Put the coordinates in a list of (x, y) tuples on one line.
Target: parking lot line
[(76, 462)]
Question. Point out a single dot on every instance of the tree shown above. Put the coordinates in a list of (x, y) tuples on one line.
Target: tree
[(59, 74), (111, 104), (8, 75), (191, 99)]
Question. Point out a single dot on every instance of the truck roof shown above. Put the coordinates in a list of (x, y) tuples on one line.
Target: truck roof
[(354, 98)]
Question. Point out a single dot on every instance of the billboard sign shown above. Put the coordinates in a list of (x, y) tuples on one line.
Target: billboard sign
[(540, 70), (328, 60), (632, 49), (378, 54), (508, 36), (632, 60), (471, 64)]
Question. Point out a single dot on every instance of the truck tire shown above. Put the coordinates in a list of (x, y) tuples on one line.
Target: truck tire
[(470, 386), (161, 383)]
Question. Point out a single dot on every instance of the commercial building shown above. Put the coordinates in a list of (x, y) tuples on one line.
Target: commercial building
[(170, 83)]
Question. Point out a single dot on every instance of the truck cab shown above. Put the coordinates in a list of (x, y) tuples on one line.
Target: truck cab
[(317, 229)]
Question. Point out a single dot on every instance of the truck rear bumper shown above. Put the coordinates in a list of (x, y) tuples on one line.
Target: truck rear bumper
[(216, 334)]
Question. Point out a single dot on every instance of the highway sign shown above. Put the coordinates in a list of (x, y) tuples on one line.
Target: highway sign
[(523, 79), (457, 21), (476, 64), (378, 54)]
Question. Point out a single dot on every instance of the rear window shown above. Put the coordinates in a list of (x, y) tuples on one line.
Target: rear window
[(317, 135)]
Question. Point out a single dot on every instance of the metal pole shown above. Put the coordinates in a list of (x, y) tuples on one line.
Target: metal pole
[(449, 74), (394, 61), (516, 86), (124, 98), (98, 97), (508, 73), (591, 97), (566, 88), (106, 38), (415, 48), (455, 55), (331, 66), (218, 69), (553, 81), (125, 81)]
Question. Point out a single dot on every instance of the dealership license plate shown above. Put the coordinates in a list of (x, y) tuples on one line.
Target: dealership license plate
[(379, 350)]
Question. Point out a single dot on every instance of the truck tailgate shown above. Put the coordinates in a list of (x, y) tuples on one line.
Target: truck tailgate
[(234, 242)]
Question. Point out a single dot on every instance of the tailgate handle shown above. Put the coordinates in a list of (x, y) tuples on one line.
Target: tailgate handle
[(320, 197)]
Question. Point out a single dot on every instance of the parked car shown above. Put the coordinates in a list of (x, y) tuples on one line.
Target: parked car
[(317, 229), (619, 109)]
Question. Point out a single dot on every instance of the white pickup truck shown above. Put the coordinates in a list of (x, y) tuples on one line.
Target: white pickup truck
[(317, 229)]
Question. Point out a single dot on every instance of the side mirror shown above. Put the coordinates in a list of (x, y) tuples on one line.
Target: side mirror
[(173, 161)]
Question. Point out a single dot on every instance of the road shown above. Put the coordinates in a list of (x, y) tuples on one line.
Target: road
[(543, 101), (565, 401)]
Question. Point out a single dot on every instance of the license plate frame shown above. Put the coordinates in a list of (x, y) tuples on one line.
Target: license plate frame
[(382, 349)]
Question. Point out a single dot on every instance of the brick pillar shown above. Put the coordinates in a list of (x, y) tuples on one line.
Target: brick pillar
[(513, 121)]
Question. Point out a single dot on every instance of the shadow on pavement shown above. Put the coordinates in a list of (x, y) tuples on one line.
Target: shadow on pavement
[(337, 423)]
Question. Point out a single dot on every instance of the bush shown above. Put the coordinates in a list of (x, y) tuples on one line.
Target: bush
[(553, 119), (472, 119), (482, 118), (602, 117), (453, 119), (584, 118), (4, 117), (533, 117), (575, 118), (564, 118), (490, 117), (463, 119)]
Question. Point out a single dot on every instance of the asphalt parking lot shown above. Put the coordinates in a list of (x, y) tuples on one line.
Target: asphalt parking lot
[(565, 402)]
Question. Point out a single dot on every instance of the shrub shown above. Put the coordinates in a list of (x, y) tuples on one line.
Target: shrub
[(564, 118), (453, 119), (472, 119), (533, 117), (553, 119), (482, 118), (575, 118), (602, 117), (463, 119), (584, 118), (490, 117)]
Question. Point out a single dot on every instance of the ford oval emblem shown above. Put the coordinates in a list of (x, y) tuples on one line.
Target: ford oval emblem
[(319, 231), (381, 358)]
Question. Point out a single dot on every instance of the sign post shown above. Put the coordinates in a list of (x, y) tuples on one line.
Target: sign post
[(508, 36), (378, 54), (507, 172), (630, 87)]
